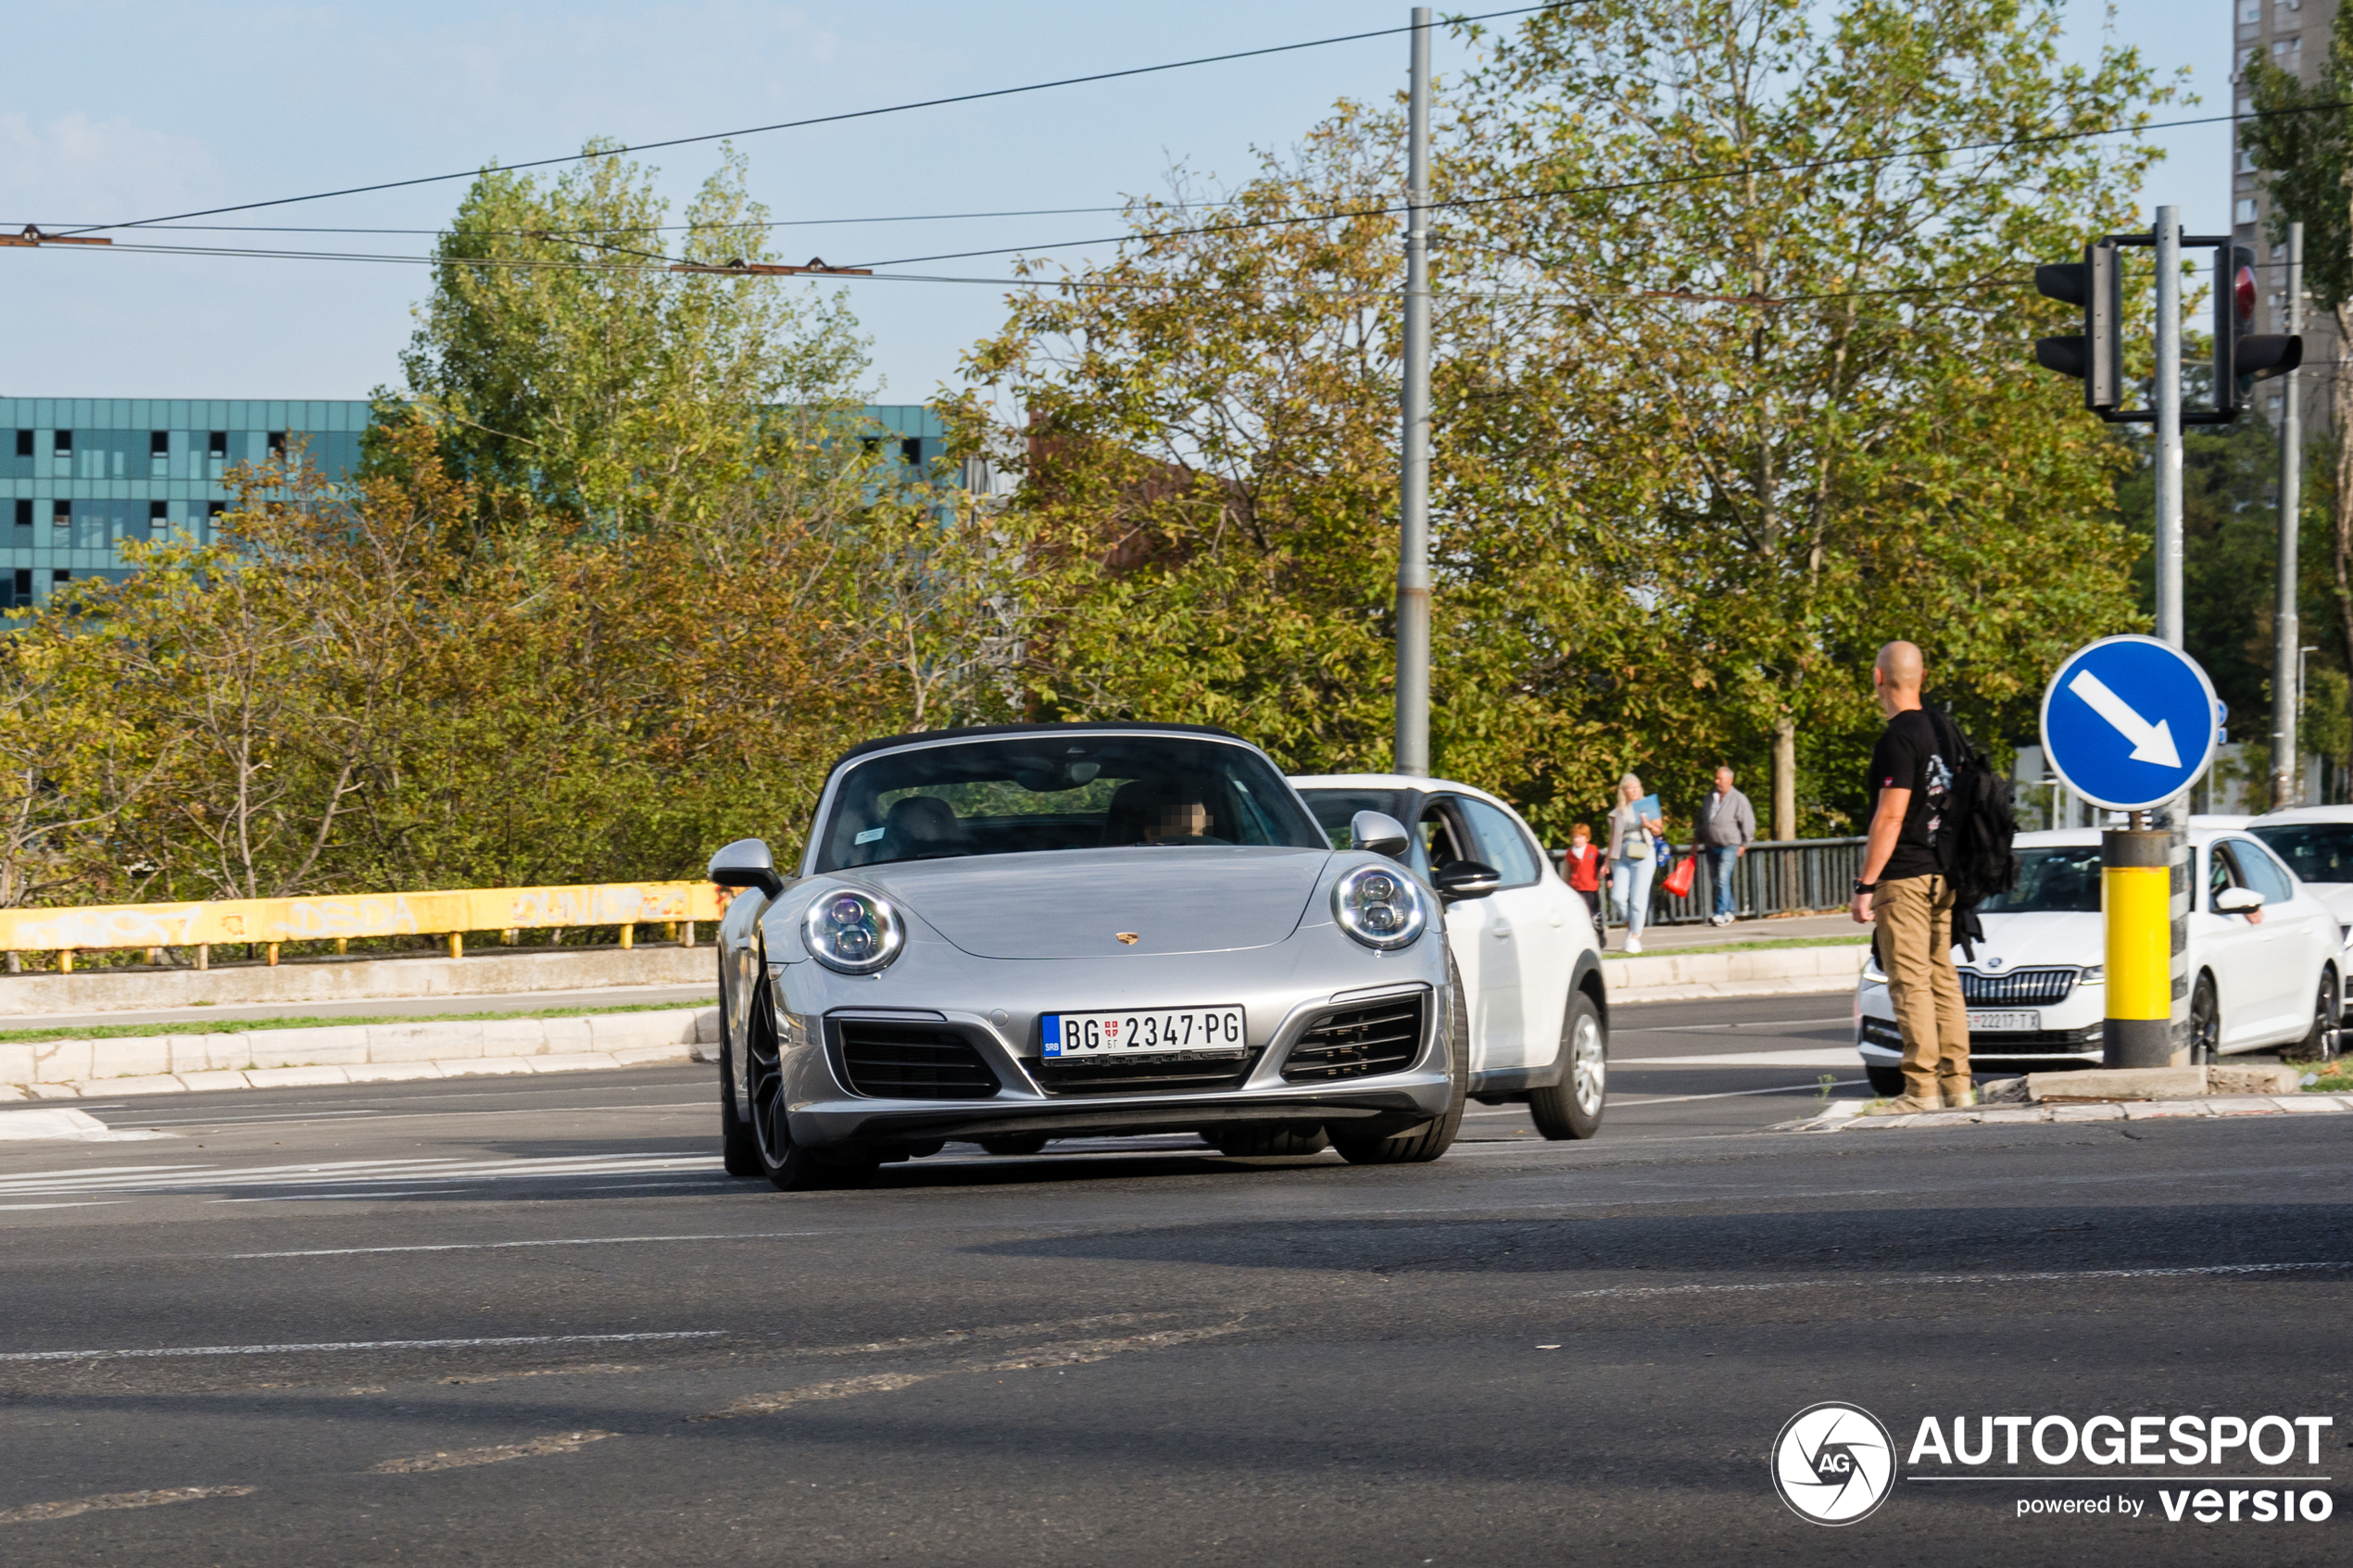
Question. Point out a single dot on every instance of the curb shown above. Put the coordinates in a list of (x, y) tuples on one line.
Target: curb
[(1771, 971), (1837, 1118), (277, 1059)]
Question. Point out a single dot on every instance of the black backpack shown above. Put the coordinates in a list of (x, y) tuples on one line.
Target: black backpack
[(1973, 841)]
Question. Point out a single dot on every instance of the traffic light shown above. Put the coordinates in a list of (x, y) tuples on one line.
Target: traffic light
[(2241, 358), (2092, 357)]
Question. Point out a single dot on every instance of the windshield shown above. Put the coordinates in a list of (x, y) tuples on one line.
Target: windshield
[(1336, 808), (1058, 792), (2315, 851), (2052, 882)]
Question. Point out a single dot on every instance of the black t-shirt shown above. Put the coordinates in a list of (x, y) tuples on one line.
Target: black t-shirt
[(1910, 755)]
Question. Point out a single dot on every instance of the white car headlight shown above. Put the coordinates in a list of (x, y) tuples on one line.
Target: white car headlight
[(1380, 908), (851, 932)]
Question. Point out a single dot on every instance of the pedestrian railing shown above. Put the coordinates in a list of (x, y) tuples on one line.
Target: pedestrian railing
[(268, 923), (1775, 877)]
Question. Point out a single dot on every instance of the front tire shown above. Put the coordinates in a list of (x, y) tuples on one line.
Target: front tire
[(2320, 1042), (1886, 1081), (788, 1166), (2206, 1023), (1572, 1108), (1419, 1144), (737, 1149)]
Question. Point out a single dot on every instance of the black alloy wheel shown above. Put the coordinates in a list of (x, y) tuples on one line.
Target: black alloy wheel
[(2319, 1041), (787, 1165), (2206, 1023)]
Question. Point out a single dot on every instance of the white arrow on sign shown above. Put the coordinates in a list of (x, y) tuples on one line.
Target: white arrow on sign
[(2151, 743)]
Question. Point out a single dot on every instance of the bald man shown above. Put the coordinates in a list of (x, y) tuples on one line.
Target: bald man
[(1902, 890)]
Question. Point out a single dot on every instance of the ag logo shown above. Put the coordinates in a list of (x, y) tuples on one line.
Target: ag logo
[(1833, 1463)]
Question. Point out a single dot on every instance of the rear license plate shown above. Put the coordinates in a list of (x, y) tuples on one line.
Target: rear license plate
[(1143, 1032), (2005, 1023)]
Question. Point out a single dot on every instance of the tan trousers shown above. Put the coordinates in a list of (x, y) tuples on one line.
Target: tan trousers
[(1914, 937)]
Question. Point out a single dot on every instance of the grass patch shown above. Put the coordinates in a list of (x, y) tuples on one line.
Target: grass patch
[(2336, 1078), (1749, 947), (248, 1026)]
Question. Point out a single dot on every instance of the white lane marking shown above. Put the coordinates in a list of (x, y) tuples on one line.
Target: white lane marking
[(1767, 1024), (562, 1241), (339, 1196), (459, 1458), (357, 1345), (409, 1115), (1906, 1280), (359, 1173), (1737, 1094), (34, 1511), (90, 1203), (1811, 1056)]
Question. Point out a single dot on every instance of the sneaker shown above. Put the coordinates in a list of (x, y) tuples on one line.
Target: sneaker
[(1633, 944), (1903, 1105), (1958, 1095)]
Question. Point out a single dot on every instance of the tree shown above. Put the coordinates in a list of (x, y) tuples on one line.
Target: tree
[(2302, 140), (1806, 274), (560, 356)]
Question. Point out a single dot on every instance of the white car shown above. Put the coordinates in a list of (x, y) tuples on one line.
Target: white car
[(1529, 958), (2317, 843), (2266, 962)]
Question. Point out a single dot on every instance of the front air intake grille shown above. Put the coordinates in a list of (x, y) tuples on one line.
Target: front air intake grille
[(911, 1061), (1143, 1074), (2025, 986), (1382, 1037)]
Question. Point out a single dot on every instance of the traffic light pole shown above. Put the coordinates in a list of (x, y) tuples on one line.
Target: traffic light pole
[(1413, 509), (2287, 683), (2168, 424)]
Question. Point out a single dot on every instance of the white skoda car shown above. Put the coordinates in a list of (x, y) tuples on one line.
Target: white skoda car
[(1530, 962), (2317, 843), (2267, 961)]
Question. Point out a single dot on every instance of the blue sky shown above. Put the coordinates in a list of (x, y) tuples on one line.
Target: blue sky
[(117, 111)]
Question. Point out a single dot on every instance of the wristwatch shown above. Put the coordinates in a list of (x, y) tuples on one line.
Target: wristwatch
[(1861, 887)]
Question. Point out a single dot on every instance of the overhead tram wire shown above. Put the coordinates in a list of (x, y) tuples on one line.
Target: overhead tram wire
[(61, 228), (829, 118)]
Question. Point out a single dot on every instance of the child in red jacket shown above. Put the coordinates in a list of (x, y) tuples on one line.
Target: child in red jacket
[(1582, 865)]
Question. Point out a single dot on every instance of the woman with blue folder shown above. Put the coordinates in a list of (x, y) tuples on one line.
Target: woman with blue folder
[(1635, 828)]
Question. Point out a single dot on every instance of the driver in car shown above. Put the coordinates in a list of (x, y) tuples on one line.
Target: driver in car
[(1180, 813)]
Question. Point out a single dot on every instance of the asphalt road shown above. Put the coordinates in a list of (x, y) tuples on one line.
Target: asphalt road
[(529, 1321)]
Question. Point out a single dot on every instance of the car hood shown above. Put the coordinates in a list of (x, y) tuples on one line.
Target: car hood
[(2034, 941), (2335, 897), (1072, 903)]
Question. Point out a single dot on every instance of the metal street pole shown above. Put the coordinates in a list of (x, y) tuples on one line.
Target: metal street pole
[(2168, 424), (2129, 923), (2287, 674), (1412, 510)]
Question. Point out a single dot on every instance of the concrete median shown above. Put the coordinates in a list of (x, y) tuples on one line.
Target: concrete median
[(372, 1053), (1765, 971)]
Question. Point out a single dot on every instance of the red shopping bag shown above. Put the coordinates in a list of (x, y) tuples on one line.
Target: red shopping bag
[(1679, 881)]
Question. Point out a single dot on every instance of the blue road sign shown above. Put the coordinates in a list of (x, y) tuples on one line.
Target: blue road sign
[(2130, 722)]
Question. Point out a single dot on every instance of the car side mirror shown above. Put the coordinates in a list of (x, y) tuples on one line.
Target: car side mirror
[(1468, 879), (746, 864), (1378, 832), (2237, 900)]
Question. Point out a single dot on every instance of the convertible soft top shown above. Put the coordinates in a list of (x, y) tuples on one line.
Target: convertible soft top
[(969, 732)]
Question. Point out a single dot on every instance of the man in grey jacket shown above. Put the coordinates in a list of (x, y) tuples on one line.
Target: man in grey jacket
[(1726, 827)]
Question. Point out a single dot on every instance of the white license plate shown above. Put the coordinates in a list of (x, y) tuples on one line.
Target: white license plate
[(2005, 1023), (1142, 1032)]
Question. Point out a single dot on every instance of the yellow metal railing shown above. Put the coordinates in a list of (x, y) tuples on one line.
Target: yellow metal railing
[(271, 922)]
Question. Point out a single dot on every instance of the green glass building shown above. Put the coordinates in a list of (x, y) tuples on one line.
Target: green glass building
[(81, 475)]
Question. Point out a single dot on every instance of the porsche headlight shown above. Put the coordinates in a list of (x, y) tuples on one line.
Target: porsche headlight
[(851, 932), (1380, 906)]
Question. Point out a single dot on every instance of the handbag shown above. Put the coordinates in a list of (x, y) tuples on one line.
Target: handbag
[(1679, 881), (1659, 849)]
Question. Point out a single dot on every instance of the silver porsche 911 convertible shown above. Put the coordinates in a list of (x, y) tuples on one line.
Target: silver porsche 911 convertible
[(1016, 933)]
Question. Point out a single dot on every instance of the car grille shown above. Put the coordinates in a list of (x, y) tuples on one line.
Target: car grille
[(1149, 1075), (2024, 986), (1382, 1037), (911, 1061), (2024, 1042)]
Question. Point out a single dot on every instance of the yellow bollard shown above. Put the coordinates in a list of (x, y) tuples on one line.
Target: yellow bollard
[(270, 955), (155, 956), (506, 938), (342, 945), (457, 945), (629, 936), (65, 961), (2137, 887), (203, 955)]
